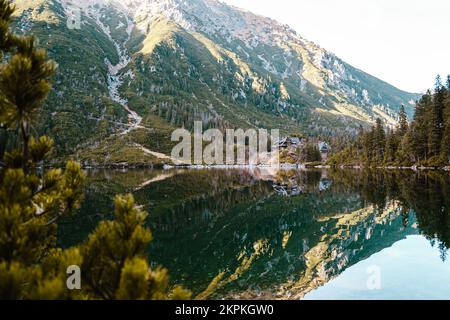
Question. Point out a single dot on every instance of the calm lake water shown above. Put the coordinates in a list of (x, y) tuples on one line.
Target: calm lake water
[(262, 234)]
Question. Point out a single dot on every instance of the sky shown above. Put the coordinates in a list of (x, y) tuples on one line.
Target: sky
[(403, 42)]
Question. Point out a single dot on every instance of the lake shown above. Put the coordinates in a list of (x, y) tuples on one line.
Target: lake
[(266, 234)]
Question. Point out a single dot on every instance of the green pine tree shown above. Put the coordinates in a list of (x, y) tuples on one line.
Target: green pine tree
[(436, 124), (390, 149), (419, 129), (379, 142), (405, 152), (116, 257), (426, 141), (368, 146), (32, 199), (445, 146), (403, 122)]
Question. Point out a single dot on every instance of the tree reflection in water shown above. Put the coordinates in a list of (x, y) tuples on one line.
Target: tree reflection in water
[(234, 233)]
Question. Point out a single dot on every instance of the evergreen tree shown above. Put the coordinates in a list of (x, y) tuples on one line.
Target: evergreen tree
[(401, 145), (390, 148), (379, 141), (368, 146), (405, 152), (311, 153), (445, 146), (403, 122), (116, 257), (33, 198), (359, 149), (436, 124), (6, 45), (425, 142), (419, 130)]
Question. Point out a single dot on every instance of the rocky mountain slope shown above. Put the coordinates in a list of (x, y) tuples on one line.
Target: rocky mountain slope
[(136, 69)]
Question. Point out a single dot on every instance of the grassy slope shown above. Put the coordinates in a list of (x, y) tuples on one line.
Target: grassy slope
[(79, 107)]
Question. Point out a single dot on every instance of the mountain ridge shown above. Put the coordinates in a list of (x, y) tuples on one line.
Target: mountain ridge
[(180, 61)]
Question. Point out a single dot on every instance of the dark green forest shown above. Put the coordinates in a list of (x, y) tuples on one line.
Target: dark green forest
[(425, 141)]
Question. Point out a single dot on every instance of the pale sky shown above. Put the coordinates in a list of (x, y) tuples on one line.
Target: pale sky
[(403, 42)]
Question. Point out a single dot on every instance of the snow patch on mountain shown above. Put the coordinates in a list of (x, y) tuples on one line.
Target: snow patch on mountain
[(94, 10), (252, 37)]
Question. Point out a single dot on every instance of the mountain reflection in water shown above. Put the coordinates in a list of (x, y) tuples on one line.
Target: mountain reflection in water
[(259, 233)]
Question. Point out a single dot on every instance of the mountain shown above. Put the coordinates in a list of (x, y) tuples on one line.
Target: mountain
[(137, 69)]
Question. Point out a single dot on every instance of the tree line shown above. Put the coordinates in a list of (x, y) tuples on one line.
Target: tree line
[(425, 141)]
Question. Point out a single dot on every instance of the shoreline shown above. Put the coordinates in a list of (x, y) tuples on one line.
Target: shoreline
[(412, 168), (124, 166)]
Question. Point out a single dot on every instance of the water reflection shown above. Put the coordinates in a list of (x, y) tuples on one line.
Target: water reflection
[(267, 234)]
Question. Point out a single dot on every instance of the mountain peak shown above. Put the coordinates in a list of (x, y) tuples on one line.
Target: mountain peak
[(189, 60), (273, 48)]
